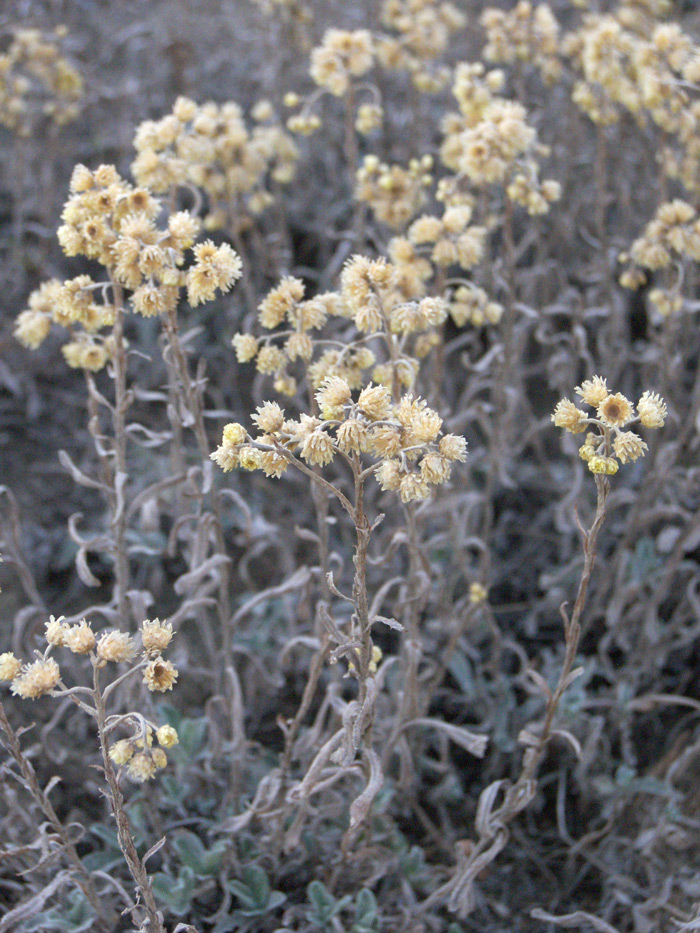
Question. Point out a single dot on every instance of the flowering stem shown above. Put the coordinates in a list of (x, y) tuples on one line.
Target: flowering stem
[(124, 834), (106, 919), (121, 403)]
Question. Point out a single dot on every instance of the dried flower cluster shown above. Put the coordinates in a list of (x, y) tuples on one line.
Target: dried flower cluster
[(109, 220), (527, 34), (422, 31), (394, 193), (37, 80), (402, 439), (210, 147), (609, 445)]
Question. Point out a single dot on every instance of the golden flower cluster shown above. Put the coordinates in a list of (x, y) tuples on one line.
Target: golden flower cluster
[(454, 240), (36, 80), (602, 50), (386, 302), (527, 34), (608, 444), (471, 305), (341, 56), (403, 438), (394, 193), (209, 146), (671, 237), (109, 220), (490, 142), (422, 33), (138, 753)]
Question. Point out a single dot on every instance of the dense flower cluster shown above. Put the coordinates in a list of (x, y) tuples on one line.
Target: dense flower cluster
[(609, 445), (527, 34), (670, 238), (110, 220), (403, 438), (341, 56), (36, 80), (394, 193), (421, 31), (209, 146), (490, 142)]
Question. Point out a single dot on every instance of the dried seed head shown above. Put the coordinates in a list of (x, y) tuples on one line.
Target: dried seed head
[(652, 410), (80, 638), (155, 636), (159, 675), (10, 666), (115, 646), (36, 679), (121, 752), (593, 391), (56, 630)]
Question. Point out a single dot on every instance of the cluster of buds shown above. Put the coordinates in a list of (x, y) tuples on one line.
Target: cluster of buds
[(527, 34), (36, 80), (422, 33), (404, 438), (611, 442), (109, 220), (454, 240), (394, 193), (210, 147), (138, 753), (470, 304)]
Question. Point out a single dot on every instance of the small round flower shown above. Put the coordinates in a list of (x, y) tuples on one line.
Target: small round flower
[(167, 736), (477, 593), (246, 347), (453, 447), (160, 759), (141, 767), (36, 679), (159, 675), (80, 638), (568, 416), (10, 666), (628, 446), (593, 391), (56, 631), (115, 646), (652, 410), (333, 394), (605, 465), (317, 449), (351, 437), (155, 636), (269, 417), (615, 410), (375, 402), (412, 487), (234, 434), (121, 752)]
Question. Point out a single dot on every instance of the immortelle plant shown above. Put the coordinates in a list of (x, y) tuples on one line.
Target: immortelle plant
[(135, 752), (608, 443)]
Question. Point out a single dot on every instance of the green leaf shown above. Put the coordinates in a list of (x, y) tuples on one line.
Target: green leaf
[(193, 854), (177, 893), (366, 920), (254, 892), (76, 916)]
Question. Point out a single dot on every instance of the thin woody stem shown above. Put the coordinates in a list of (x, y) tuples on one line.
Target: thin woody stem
[(124, 834)]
